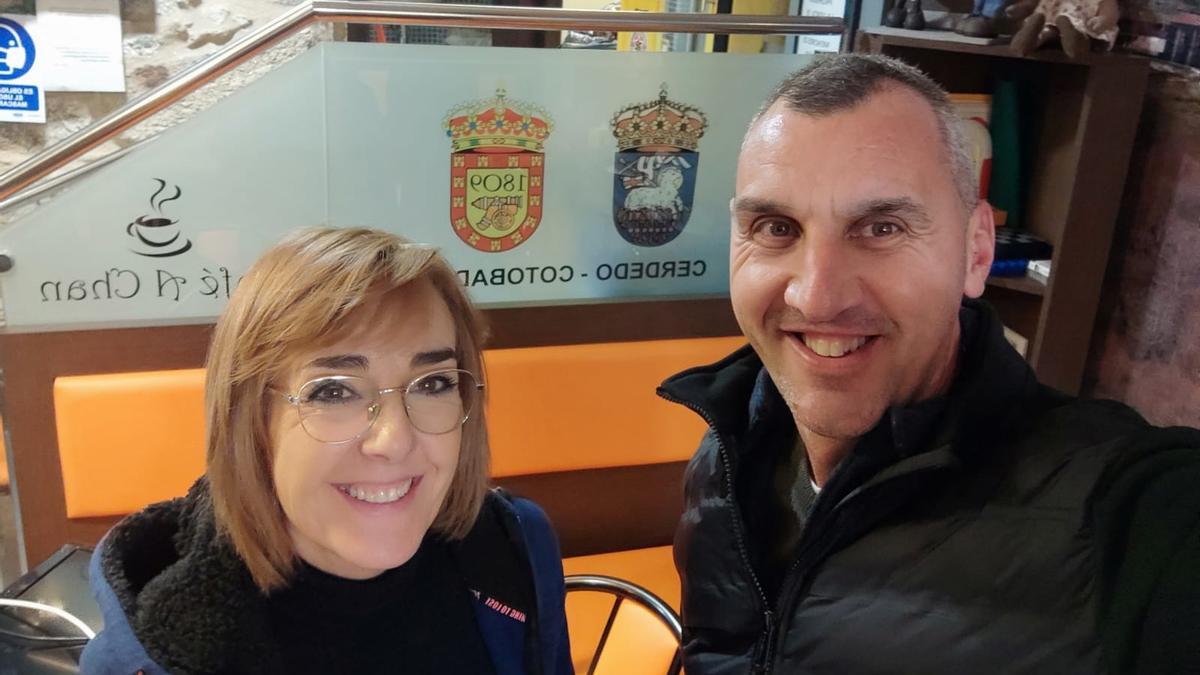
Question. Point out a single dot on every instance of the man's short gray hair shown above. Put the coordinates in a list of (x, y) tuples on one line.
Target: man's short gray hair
[(840, 82)]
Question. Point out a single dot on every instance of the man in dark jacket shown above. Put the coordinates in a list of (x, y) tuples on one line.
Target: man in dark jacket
[(885, 486)]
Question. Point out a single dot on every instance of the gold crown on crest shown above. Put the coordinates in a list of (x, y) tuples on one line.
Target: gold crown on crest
[(661, 122), (497, 122)]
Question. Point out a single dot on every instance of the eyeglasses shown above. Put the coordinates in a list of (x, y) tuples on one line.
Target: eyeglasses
[(342, 408)]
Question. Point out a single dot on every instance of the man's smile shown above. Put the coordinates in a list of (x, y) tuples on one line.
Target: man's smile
[(833, 346), (832, 354)]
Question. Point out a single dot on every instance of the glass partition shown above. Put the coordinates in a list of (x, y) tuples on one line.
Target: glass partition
[(546, 176)]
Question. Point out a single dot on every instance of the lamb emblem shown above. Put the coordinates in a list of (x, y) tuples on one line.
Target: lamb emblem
[(654, 179)]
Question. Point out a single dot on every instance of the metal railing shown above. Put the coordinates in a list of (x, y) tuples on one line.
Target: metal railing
[(623, 590), (292, 22)]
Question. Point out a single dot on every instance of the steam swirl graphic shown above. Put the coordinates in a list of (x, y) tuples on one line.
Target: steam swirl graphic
[(157, 235)]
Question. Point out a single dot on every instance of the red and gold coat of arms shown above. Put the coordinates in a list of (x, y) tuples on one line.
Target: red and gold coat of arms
[(497, 171)]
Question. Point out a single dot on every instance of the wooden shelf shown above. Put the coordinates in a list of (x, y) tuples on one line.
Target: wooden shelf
[(947, 41), (1078, 126), (1025, 284)]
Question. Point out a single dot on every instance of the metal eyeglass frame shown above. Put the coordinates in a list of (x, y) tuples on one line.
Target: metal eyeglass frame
[(374, 408)]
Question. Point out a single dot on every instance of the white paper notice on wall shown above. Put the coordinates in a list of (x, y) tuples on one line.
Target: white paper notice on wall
[(819, 44), (80, 41), (22, 96)]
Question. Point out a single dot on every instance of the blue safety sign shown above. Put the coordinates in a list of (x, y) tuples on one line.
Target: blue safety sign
[(22, 97), (17, 51)]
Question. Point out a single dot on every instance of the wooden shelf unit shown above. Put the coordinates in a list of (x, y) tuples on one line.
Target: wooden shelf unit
[(1085, 116), (1025, 284)]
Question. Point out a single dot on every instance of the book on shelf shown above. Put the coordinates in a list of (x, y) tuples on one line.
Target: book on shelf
[(1008, 268)]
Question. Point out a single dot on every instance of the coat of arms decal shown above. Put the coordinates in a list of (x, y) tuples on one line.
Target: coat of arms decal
[(497, 170), (654, 178)]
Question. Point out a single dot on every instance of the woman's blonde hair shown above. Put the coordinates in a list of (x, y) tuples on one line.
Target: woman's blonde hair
[(296, 296)]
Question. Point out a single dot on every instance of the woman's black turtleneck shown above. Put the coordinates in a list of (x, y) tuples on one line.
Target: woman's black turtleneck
[(416, 618)]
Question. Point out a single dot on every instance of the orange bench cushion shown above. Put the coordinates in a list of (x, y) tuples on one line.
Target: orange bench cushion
[(574, 407), (128, 439), (651, 568), (638, 642)]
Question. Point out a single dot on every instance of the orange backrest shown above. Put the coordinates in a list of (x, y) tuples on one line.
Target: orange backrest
[(126, 440), (573, 407)]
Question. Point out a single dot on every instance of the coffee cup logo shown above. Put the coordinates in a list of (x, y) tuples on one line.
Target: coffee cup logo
[(157, 235)]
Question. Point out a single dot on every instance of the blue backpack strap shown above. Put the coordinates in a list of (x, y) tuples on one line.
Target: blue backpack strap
[(510, 561), (494, 566), (541, 544)]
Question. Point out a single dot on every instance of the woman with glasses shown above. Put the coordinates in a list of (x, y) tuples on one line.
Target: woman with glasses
[(344, 523)]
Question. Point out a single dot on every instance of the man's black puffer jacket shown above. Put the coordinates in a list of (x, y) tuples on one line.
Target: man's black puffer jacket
[(1005, 541)]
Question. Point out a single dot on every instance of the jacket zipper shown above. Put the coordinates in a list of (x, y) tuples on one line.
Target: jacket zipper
[(795, 579), (764, 646)]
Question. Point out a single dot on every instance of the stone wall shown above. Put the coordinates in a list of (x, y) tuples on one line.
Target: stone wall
[(161, 39), (1146, 347)]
